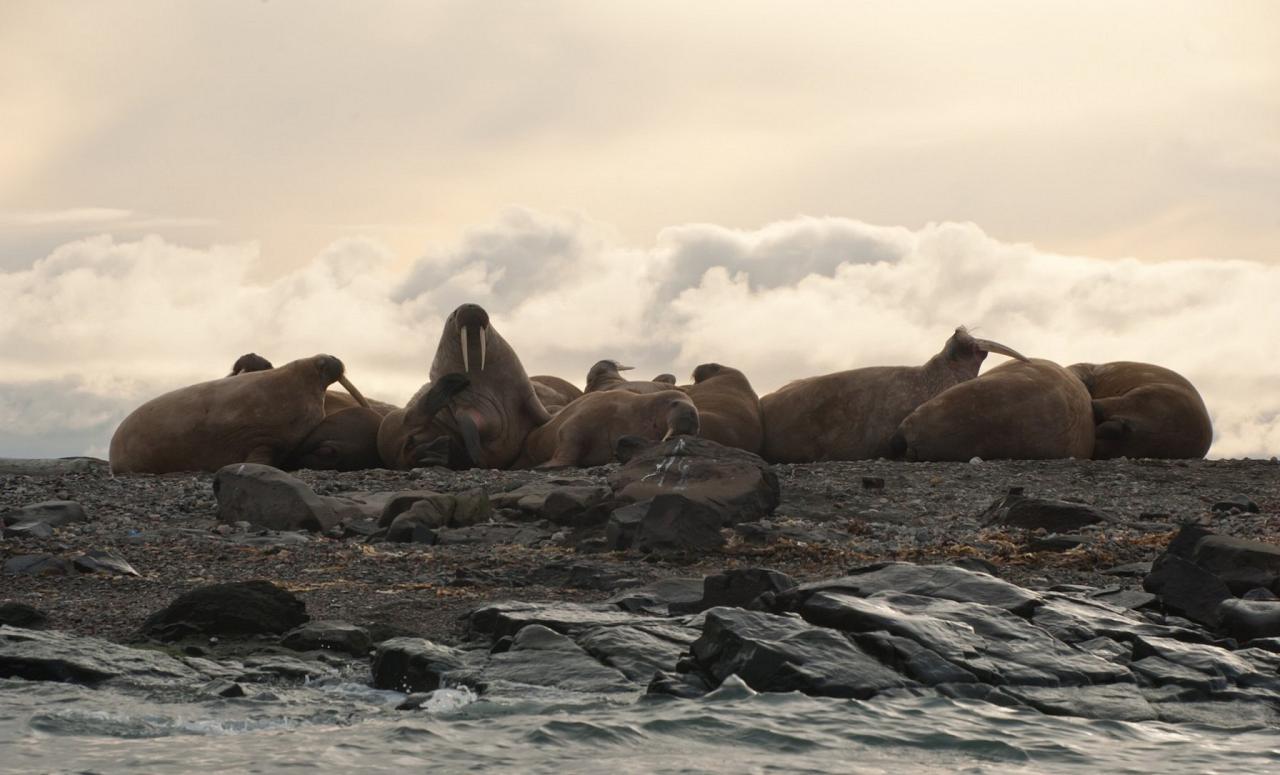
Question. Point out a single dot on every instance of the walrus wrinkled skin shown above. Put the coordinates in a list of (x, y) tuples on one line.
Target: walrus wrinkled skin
[(728, 407), (494, 414), (1020, 410), (253, 417), (606, 375), (852, 415), (345, 440), (415, 438), (334, 401), (554, 393), (585, 432), (1144, 410)]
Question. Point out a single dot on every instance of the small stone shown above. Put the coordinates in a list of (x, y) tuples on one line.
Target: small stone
[(1238, 503), (873, 482)]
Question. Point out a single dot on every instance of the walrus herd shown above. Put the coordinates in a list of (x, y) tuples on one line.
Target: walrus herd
[(479, 408)]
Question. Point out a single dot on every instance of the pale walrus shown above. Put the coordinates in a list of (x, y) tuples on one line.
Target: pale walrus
[(606, 375), (495, 413), (1021, 410), (851, 415), (254, 417), (1143, 410), (586, 431), (728, 408), (554, 393)]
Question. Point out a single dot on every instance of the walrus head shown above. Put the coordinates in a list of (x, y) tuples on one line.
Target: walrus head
[(682, 419), (249, 362), (437, 448), (666, 379), (471, 323), (964, 349), (331, 370), (706, 371), (605, 371)]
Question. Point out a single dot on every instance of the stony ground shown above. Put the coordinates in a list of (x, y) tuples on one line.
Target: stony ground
[(167, 529)]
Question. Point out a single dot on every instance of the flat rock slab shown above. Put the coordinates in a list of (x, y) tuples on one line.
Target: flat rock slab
[(942, 581), (1053, 516), (37, 655), (542, 657), (499, 620), (328, 636), (1240, 563), (37, 565), (738, 482), (270, 498), (236, 609), (638, 651)]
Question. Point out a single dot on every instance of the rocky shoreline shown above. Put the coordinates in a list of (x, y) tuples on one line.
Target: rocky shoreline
[(1062, 547)]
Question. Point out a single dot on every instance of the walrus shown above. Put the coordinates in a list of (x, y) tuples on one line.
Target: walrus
[(554, 393), (253, 417), (412, 437), (606, 375), (499, 407), (851, 415), (1021, 410), (345, 440), (728, 408), (665, 379), (334, 401), (249, 362), (1144, 410), (586, 431)]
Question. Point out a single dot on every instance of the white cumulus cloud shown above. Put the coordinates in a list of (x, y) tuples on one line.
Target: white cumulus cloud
[(99, 324)]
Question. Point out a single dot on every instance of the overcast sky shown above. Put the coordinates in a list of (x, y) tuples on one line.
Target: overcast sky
[(787, 187)]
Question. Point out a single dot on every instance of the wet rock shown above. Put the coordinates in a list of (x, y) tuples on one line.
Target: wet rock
[(738, 587), (1242, 564), (1053, 516), (501, 619), (1127, 598), (52, 513), (977, 565), (542, 657), (1236, 503), (104, 561), (664, 597), (270, 498), (414, 664), (943, 581), (37, 565), (21, 615), (1187, 589), (1246, 620), (61, 466), (1113, 701), (773, 653), (675, 524), (638, 651), (683, 685), (272, 667), (234, 609), (222, 687), (37, 655), (332, 636), (735, 481)]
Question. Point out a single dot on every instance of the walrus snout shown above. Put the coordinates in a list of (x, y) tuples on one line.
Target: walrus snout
[(249, 362), (964, 346), (473, 327), (682, 420)]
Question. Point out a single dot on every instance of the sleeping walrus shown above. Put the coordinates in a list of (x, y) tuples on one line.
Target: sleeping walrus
[(1143, 410)]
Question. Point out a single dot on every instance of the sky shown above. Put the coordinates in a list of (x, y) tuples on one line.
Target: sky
[(790, 188)]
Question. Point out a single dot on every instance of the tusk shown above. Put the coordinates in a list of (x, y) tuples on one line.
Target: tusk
[(360, 399), (484, 333), (668, 435), (986, 345), (466, 360), (625, 368)]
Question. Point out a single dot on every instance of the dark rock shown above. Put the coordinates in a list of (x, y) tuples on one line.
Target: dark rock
[(542, 657), (1038, 513), (493, 533), (272, 667), (27, 530), (737, 588), (1127, 598), (1239, 503), (638, 651), (104, 561), (624, 525), (774, 653), (1187, 589), (873, 483), (414, 664), (736, 482), (684, 685), (1134, 569), (270, 498), (51, 513), (234, 609), (664, 597), (977, 565), (1259, 593), (1074, 619), (37, 565), (508, 618), (675, 524), (20, 615), (943, 581), (531, 498), (222, 687), (37, 655), (577, 506), (1117, 702), (334, 636), (406, 529), (1219, 714), (1245, 620), (399, 503), (1242, 564)]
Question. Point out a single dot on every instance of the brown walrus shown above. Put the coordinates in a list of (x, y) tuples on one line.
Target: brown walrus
[(492, 417), (554, 393), (852, 415), (413, 438), (1021, 410), (586, 431), (333, 400), (1143, 410), (253, 417), (345, 440), (728, 407), (249, 362), (606, 375)]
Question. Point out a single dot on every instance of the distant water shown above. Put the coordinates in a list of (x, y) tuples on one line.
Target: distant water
[(348, 727)]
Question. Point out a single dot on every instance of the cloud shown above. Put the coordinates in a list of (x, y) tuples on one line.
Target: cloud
[(99, 325)]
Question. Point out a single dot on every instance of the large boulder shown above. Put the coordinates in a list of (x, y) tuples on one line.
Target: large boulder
[(414, 664), (943, 581), (56, 656), (737, 483), (542, 657), (268, 497), (235, 609)]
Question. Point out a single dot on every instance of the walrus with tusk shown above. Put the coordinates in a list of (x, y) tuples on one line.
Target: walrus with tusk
[(586, 431), (251, 417), (607, 375), (852, 415), (728, 407)]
